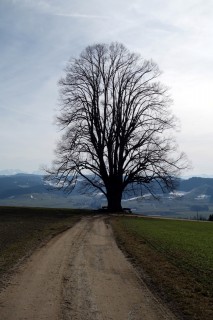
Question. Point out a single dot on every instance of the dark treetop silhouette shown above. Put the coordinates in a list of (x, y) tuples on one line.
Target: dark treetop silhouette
[(116, 122)]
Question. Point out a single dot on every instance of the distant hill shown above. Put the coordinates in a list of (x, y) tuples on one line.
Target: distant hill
[(195, 182), (19, 184), (30, 190)]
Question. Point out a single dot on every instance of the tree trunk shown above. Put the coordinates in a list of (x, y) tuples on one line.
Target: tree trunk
[(114, 196)]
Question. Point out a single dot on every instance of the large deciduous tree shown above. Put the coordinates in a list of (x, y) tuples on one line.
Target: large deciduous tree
[(117, 124)]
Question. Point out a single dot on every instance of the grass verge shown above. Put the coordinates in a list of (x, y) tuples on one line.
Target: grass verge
[(24, 229), (175, 258)]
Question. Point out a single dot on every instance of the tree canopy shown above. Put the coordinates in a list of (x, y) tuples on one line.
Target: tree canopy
[(117, 124)]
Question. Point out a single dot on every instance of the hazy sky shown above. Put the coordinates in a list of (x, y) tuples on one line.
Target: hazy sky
[(37, 37)]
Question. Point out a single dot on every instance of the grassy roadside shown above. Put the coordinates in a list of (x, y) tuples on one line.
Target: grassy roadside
[(24, 229), (175, 258)]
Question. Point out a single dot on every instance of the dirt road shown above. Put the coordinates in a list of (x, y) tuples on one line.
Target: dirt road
[(80, 274)]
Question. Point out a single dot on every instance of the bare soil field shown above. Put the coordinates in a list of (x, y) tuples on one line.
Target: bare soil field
[(80, 274), (23, 229)]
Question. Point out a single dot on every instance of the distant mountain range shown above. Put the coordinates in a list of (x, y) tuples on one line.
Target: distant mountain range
[(23, 189), (193, 196), (10, 172)]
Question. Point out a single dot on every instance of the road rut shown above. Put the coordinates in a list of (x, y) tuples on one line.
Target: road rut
[(81, 275)]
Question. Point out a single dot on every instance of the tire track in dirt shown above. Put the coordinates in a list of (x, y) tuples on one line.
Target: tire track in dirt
[(80, 275)]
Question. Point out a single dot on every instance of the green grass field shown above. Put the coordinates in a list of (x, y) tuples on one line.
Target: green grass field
[(188, 244), (24, 229), (177, 258)]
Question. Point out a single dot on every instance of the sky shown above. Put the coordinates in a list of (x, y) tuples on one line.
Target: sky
[(38, 37)]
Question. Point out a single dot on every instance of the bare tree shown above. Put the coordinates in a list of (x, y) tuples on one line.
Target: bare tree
[(116, 122)]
